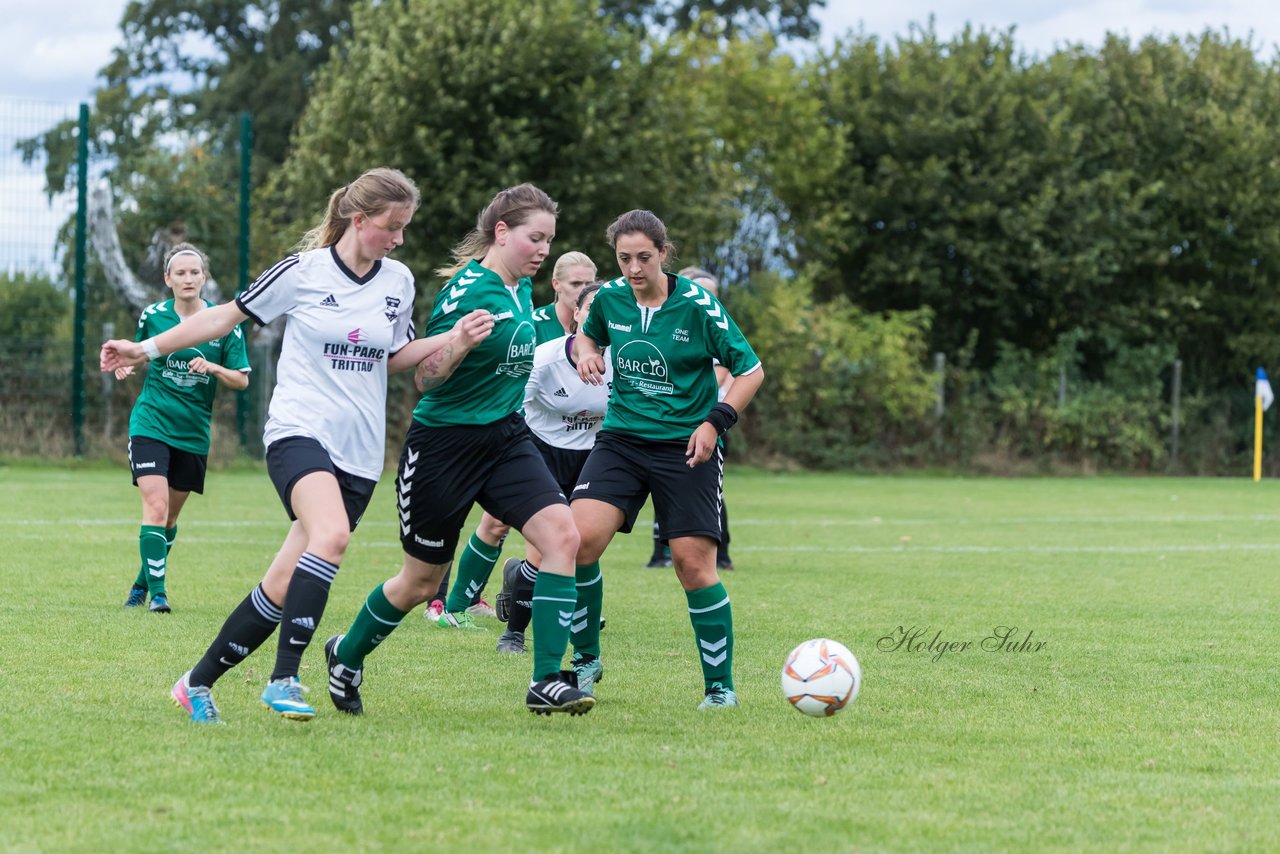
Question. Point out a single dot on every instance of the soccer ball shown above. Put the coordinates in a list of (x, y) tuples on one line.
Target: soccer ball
[(821, 677)]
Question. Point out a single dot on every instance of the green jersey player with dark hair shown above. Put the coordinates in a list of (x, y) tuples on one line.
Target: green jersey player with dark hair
[(169, 425), (661, 434)]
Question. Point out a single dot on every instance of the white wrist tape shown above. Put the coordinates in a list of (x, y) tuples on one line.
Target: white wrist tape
[(149, 347)]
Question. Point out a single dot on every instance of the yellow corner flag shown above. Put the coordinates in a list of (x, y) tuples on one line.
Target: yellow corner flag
[(1263, 397)]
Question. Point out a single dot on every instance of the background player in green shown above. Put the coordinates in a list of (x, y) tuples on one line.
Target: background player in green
[(661, 433), (169, 425)]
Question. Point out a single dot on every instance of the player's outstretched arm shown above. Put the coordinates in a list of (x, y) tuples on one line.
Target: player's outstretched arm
[(203, 326)]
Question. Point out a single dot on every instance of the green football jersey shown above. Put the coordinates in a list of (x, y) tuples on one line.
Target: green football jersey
[(175, 405), (546, 325), (664, 383), (489, 382)]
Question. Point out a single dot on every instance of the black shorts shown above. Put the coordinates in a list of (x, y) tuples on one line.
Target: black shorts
[(624, 470), (183, 469), (564, 464), (290, 458), (443, 471)]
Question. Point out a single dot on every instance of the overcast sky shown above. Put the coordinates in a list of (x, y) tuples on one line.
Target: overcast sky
[(53, 50)]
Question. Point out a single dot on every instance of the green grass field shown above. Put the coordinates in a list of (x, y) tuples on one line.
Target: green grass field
[(1148, 720)]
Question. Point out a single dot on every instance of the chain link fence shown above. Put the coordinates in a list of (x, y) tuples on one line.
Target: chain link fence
[(36, 290), (53, 404)]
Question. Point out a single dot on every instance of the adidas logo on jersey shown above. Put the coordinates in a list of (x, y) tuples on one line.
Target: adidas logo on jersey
[(560, 392), (329, 302), (305, 622)]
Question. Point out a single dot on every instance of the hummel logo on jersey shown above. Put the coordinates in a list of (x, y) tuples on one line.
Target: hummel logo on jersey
[(560, 392), (619, 326), (329, 302), (305, 622)]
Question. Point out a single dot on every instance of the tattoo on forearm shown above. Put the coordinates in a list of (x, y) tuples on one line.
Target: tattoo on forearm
[(430, 371)]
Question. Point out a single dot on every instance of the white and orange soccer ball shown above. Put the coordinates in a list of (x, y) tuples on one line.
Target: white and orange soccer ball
[(821, 677)]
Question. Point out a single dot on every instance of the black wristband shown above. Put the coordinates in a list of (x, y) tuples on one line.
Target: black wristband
[(722, 416)]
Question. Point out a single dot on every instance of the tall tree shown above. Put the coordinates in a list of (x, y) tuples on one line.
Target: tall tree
[(165, 127), (469, 96), (786, 18), (1127, 194)]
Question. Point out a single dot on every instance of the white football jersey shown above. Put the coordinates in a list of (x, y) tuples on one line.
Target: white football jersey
[(331, 380), (559, 407)]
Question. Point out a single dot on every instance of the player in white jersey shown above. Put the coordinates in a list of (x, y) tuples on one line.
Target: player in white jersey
[(350, 322)]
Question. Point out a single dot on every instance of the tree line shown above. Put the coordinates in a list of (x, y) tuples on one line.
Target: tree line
[(1093, 214)]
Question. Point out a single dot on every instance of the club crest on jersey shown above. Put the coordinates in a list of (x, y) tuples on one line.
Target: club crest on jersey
[(643, 365), (520, 347), (393, 308)]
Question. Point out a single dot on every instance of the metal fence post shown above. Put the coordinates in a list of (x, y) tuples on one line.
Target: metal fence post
[(1177, 412), (940, 393), (246, 157), (78, 331), (108, 386), (264, 372)]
